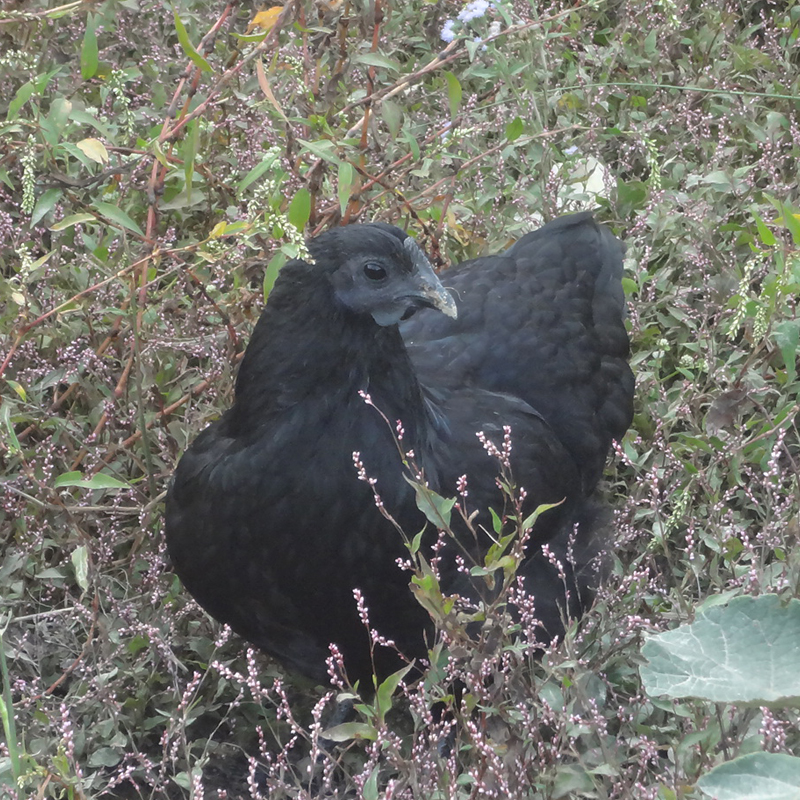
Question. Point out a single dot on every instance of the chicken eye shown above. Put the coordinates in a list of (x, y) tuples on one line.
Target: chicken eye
[(375, 272)]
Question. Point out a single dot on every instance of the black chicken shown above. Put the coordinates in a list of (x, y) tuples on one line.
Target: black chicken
[(267, 523)]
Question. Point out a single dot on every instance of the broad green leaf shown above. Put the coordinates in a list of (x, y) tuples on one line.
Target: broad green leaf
[(386, 690), (59, 115), (454, 93), (377, 60), (300, 208), (370, 790), (393, 116), (744, 652), (757, 776), (764, 233), (46, 203), (350, 730), (188, 47), (347, 176), (89, 50), (83, 118), (787, 337), (22, 96), (98, 481), (436, 508), (792, 223), (104, 757), (116, 214), (72, 219), (514, 129)]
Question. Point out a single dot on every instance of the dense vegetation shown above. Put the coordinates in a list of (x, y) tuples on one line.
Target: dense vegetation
[(157, 167)]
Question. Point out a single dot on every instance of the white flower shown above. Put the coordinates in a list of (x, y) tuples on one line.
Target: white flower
[(473, 10), (448, 34)]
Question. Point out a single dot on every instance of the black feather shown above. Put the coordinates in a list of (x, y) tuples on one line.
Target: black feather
[(267, 523)]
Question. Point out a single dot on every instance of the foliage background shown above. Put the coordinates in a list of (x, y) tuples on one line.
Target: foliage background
[(158, 165)]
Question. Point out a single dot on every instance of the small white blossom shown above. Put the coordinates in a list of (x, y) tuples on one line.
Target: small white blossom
[(473, 10), (448, 34)]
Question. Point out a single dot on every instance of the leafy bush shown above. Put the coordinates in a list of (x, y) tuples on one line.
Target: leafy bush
[(157, 168)]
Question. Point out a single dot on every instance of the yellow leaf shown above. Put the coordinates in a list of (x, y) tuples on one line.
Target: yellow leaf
[(94, 149), (265, 19), (267, 89)]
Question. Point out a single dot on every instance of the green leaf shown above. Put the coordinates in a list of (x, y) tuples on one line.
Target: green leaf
[(792, 223), (631, 195), (435, 507), (383, 697), (72, 219), (412, 143), (764, 233), (45, 204), (190, 153), (266, 163), (787, 337), (757, 776), (83, 118), (377, 60), (98, 481), (350, 730), (250, 38), (514, 129), (370, 790), (529, 521), (744, 652), (347, 176), (324, 149), (454, 93), (104, 757), (80, 563), (271, 272), (393, 117), (188, 47), (89, 50), (18, 388), (300, 208), (116, 214), (12, 442), (22, 96)]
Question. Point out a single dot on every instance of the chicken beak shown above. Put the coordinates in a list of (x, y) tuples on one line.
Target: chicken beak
[(431, 291)]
